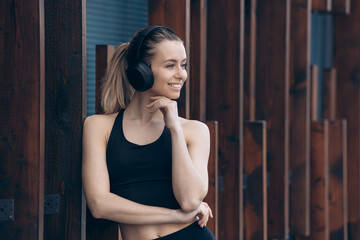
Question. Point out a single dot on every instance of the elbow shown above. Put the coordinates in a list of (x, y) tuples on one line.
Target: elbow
[(190, 205), (95, 209)]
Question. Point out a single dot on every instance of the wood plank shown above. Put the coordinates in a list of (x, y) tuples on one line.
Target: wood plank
[(175, 15), (341, 6), (65, 83), (319, 164), (322, 5), (346, 61), (198, 59), (225, 48), (337, 180), (104, 54), (100, 228), (250, 60), (22, 117), (300, 116), (314, 92), (255, 192), (212, 197), (272, 105), (329, 94)]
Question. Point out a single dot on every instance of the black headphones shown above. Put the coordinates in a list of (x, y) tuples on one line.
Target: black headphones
[(139, 73)]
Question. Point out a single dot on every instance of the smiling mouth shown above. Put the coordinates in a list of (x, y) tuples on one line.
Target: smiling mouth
[(177, 85)]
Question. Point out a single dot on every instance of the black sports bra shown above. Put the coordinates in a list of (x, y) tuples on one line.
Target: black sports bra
[(141, 173)]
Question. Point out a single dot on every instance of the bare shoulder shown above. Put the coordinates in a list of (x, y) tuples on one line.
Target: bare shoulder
[(99, 125), (194, 129)]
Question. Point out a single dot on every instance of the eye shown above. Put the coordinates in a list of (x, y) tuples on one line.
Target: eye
[(184, 65), (170, 66)]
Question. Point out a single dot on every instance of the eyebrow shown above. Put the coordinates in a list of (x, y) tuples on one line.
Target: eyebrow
[(173, 60)]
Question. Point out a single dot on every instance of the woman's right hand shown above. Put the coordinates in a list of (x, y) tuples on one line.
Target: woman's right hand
[(203, 213)]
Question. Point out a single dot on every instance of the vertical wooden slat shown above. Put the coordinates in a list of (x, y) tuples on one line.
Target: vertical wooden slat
[(255, 192), (342, 6), (175, 15), (300, 116), (22, 117), (329, 94), (337, 160), (322, 5), (99, 228), (272, 105), (224, 104), (314, 92), (250, 60), (198, 59), (64, 115), (319, 201), (346, 62), (212, 196)]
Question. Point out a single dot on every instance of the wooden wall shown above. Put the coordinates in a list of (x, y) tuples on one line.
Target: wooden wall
[(277, 170)]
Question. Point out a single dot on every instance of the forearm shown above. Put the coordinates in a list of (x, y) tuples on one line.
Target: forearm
[(118, 209), (188, 185)]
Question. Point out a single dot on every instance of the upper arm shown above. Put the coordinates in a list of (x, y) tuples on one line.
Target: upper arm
[(95, 175), (198, 143)]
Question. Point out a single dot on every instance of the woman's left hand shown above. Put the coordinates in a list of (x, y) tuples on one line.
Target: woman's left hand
[(168, 108)]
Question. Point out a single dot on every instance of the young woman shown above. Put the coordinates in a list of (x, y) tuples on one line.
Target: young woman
[(144, 166)]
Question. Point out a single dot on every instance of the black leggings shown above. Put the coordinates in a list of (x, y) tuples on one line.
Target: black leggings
[(193, 231)]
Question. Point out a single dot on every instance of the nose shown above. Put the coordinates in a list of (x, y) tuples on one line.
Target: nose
[(181, 73)]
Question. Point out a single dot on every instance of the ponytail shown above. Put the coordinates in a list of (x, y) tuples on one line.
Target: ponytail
[(116, 89)]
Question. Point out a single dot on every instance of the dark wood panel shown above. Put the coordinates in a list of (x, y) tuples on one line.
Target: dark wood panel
[(224, 97), (346, 62), (319, 163), (255, 192), (212, 197), (104, 54), (329, 94), (250, 60), (65, 83), (322, 5), (100, 228), (175, 15), (342, 6), (272, 105), (198, 42), (300, 31), (337, 180), (22, 117)]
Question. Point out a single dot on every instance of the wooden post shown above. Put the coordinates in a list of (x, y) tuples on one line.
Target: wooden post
[(341, 6), (300, 116), (329, 94), (255, 180), (22, 118), (273, 103), (65, 111), (322, 5), (224, 104)]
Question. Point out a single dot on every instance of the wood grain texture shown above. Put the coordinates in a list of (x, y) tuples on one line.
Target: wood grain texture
[(255, 193), (212, 197), (319, 163), (272, 105), (22, 116), (224, 99), (322, 5), (346, 61), (250, 60), (198, 42), (64, 115), (300, 31), (314, 92), (175, 15), (337, 197), (329, 94)]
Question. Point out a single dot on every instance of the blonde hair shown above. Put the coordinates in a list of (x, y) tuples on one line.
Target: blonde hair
[(116, 89)]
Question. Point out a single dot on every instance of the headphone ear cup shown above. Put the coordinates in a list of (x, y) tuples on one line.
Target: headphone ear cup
[(140, 77)]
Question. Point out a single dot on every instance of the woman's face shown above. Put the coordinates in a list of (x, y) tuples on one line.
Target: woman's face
[(169, 68)]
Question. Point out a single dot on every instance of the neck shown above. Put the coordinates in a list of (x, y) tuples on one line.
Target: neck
[(137, 109)]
